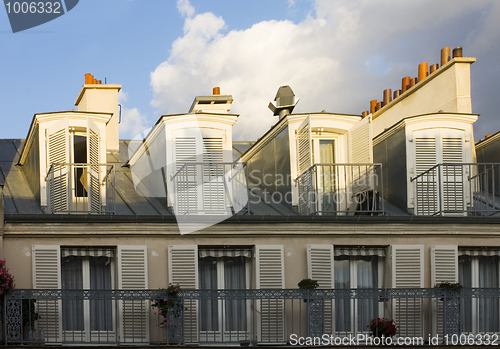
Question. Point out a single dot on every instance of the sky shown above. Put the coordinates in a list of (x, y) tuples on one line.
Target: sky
[(336, 55)]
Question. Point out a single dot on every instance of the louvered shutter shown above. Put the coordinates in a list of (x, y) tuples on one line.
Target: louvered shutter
[(270, 275), (320, 268), (213, 175), (360, 142), (452, 145), (426, 187), (304, 145), (444, 268), (133, 275), (94, 172), (186, 198), (46, 261), (407, 272), (57, 137), (183, 270)]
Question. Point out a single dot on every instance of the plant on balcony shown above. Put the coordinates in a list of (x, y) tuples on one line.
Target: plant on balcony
[(382, 327), (29, 313), (448, 286), (6, 280), (308, 284), (164, 305)]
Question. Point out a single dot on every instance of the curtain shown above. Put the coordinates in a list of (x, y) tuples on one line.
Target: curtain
[(100, 279), (72, 279), (208, 281), (342, 306), (234, 279), (367, 278), (488, 307), (465, 279)]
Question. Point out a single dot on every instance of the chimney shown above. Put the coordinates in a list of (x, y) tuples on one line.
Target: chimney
[(387, 97), (379, 106), (216, 91), (434, 67), (396, 94), (373, 106), (423, 71), (457, 52), (285, 102), (103, 98), (364, 114), (413, 82), (405, 83), (445, 55)]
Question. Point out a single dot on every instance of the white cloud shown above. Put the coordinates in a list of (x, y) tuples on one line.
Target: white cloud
[(132, 124), (338, 58), (122, 96)]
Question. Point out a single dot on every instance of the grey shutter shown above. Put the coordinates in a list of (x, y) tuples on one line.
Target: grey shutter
[(320, 268), (183, 270), (133, 275), (407, 272), (270, 275), (444, 268), (46, 262)]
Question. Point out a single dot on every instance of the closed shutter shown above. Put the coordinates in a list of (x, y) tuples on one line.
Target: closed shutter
[(320, 268), (360, 142), (407, 272), (444, 268), (213, 175), (133, 275), (270, 275), (426, 187), (57, 137), (94, 172), (453, 176), (183, 270), (46, 262), (186, 186)]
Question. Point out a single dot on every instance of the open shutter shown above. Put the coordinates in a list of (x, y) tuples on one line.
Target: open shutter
[(320, 268), (183, 270), (426, 188), (270, 275), (407, 272), (360, 142), (46, 262), (444, 268), (133, 275), (94, 172), (57, 137), (213, 175), (304, 145), (452, 147), (185, 183)]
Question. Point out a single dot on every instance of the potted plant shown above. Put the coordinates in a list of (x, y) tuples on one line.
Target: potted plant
[(169, 309), (382, 327), (448, 285), (308, 284)]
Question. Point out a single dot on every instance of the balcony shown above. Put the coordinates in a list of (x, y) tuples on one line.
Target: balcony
[(210, 188), (207, 317), (341, 189), (458, 190), (80, 188)]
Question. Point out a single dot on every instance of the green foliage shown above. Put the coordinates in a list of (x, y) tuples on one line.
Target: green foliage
[(29, 313), (448, 285), (308, 284), (164, 305)]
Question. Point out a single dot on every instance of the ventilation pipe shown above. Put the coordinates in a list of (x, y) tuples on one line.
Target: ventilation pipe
[(445, 55), (396, 94), (216, 91), (423, 71), (285, 102), (387, 97), (364, 114), (373, 106), (405, 83), (433, 68), (413, 82)]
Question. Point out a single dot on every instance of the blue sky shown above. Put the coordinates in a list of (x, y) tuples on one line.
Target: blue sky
[(335, 54)]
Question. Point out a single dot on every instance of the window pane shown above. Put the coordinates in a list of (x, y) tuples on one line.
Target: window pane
[(100, 279), (208, 281), (342, 306), (465, 279), (234, 279), (80, 157), (367, 278), (72, 279), (488, 307), (326, 151)]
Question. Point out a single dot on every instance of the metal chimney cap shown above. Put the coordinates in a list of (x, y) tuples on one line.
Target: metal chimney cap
[(284, 91)]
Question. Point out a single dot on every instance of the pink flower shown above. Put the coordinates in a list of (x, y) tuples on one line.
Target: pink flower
[(156, 324), (159, 311), (176, 289), (164, 300), (169, 284), (165, 323)]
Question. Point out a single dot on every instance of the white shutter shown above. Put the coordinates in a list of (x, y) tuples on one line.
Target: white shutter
[(360, 142), (304, 145), (452, 144), (186, 183), (444, 268), (46, 260), (133, 275), (213, 175), (320, 268), (94, 172), (407, 272), (426, 187), (270, 275), (57, 137), (183, 270)]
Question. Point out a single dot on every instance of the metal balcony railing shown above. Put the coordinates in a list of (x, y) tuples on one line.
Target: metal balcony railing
[(470, 189), (210, 188), (341, 189), (80, 188), (205, 317)]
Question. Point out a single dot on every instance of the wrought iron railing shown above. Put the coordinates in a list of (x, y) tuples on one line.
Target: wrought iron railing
[(210, 188), (469, 189), (341, 189), (80, 188), (246, 317)]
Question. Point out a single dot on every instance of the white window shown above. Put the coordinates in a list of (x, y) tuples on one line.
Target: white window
[(479, 268)]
